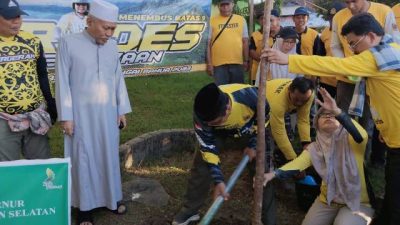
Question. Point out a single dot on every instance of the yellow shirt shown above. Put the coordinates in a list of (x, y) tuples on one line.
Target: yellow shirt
[(228, 48), (258, 40), (326, 37), (383, 87), (307, 41), (379, 11), (278, 98), (396, 10), (240, 113), (19, 84), (304, 161)]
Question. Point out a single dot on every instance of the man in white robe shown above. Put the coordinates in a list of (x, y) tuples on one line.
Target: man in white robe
[(92, 100)]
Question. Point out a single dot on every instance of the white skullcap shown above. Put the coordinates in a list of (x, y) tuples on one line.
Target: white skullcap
[(104, 10)]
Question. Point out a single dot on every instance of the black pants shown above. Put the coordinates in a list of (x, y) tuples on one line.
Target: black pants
[(377, 156), (390, 212)]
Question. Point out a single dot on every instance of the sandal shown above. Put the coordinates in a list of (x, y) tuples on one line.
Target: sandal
[(121, 209), (84, 217)]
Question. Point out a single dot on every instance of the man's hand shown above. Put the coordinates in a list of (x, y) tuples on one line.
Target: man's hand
[(121, 122), (250, 152), (329, 103), (275, 56), (268, 177), (219, 190), (68, 127), (210, 70)]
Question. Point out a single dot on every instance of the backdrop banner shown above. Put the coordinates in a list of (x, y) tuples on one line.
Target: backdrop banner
[(153, 36), (35, 192)]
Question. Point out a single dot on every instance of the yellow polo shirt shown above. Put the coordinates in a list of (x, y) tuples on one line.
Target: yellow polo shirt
[(228, 48)]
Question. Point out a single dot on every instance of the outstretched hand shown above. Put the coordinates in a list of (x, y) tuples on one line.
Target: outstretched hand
[(329, 104), (219, 190), (275, 56)]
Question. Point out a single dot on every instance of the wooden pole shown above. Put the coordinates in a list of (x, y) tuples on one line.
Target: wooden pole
[(260, 164), (251, 30)]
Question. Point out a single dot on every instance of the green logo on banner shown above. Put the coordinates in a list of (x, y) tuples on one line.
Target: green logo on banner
[(48, 183)]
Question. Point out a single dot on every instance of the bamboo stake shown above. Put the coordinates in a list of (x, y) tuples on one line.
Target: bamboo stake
[(260, 164)]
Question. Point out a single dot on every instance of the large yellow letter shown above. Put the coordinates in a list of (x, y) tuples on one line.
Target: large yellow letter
[(188, 36), (128, 36), (157, 37)]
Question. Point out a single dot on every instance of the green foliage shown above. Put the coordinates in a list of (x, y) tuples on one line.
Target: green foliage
[(323, 4)]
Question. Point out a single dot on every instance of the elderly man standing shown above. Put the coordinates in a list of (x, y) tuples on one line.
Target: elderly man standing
[(228, 46), (92, 101), (23, 84)]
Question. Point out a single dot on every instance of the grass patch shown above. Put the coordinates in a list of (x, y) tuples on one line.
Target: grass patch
[(158, 102)]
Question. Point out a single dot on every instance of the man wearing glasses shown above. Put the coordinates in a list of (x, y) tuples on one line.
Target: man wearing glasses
[(376, 59), (340, 48)]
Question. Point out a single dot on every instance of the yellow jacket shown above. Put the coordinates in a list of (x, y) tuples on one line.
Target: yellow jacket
[(326, 37), (383, 87), (340, 48), (278, 98)]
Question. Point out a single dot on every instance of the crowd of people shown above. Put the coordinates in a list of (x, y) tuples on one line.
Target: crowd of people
[(349, 70), (356, 100)]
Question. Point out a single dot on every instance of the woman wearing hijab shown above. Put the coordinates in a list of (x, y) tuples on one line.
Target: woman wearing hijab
[(338, 157), (285, 42)]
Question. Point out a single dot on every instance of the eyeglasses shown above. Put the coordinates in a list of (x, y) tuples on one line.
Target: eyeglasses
[(288, 41), (326, 115), (354, 45)]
